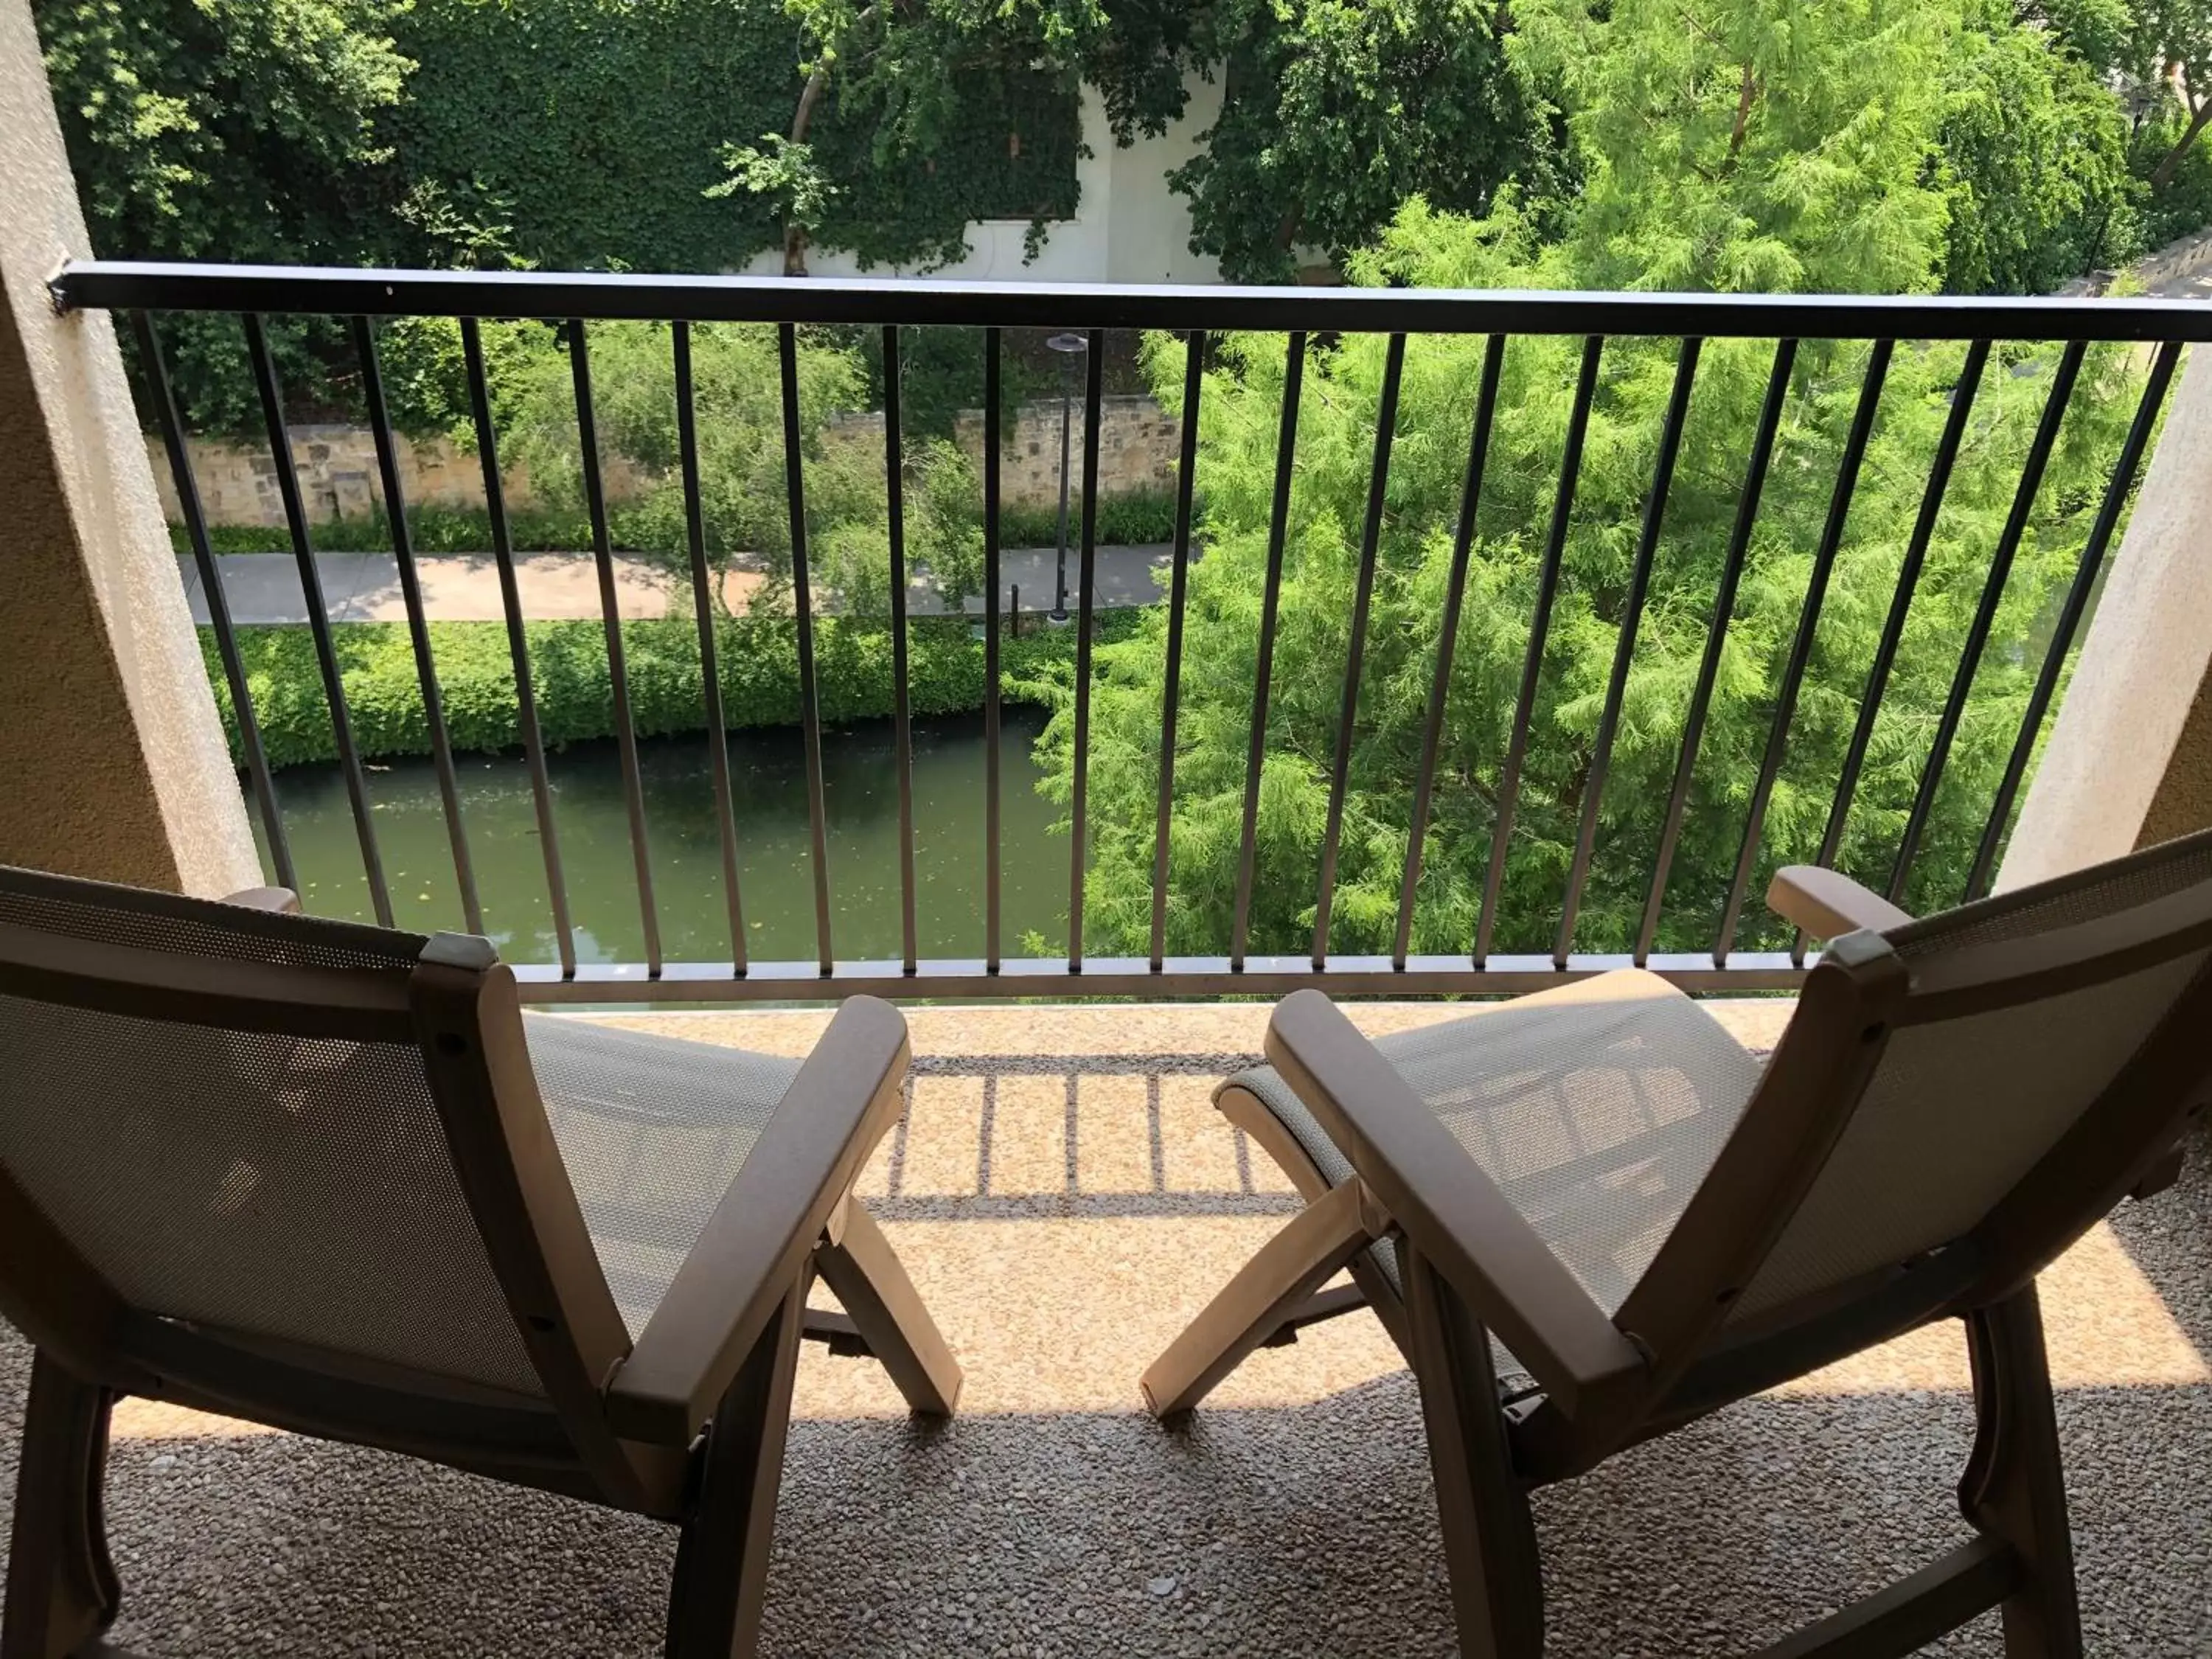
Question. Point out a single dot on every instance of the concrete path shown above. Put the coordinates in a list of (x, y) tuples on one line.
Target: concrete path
[(264, 588)]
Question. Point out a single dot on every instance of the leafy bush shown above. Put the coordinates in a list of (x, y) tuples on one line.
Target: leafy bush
[(757, 656), (2183, 205), (1137, 519)]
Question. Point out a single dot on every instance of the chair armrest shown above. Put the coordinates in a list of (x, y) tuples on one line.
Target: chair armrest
[(749, 1256), (1454, 1213), (282, 900), (1827, 904)]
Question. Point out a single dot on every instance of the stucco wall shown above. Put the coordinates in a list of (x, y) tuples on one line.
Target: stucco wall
[(2129, 756), (1128, 226), (112, 763)]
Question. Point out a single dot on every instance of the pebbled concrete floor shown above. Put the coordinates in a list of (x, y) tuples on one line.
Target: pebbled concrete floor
[(1065, 1198)]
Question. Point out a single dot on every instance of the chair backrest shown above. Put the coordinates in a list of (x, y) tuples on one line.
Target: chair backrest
[(1955, 1101), (245, 1129)]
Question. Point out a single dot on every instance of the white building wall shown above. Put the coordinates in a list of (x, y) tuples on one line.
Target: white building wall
[(1128, 226)]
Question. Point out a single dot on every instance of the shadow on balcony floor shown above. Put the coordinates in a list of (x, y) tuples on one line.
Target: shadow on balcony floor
[(1064, 1214)]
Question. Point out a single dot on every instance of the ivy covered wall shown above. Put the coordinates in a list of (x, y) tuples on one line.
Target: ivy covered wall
[(582, 134)]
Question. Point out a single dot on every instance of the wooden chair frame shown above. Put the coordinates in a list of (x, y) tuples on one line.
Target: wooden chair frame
[(1470, 1265), (687, 1426)]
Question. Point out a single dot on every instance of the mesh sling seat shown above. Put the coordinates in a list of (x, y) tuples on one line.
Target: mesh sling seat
[(1589, 1216), (331, 1178)]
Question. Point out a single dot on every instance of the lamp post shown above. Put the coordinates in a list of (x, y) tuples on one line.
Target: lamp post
[(1071, 346)]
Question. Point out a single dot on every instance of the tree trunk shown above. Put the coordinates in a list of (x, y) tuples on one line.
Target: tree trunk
[(1747, 95), (794, 234), (2198, 117)]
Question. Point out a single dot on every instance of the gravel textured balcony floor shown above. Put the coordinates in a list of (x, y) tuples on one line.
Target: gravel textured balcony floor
[(1065, 1198)]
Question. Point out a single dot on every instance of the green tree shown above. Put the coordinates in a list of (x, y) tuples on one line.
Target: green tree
[(1333, 114), (233, 129), (737, 390), (1732, 146), (2034, 159), (2158, 55), (240, 130), (2171, 48), (1745, 146), (908, 69)]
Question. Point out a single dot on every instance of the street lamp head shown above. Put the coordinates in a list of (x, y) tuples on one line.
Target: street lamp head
[(1070, 343)]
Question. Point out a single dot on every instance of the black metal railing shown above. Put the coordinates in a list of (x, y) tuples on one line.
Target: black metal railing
[(144, 291)]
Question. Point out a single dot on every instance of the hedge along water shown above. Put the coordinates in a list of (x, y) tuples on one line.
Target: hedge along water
[(760, 699)]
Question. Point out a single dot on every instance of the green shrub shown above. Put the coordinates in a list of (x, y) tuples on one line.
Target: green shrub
[(758, 659), (1137, 519), (436, 530), (1133, 518)]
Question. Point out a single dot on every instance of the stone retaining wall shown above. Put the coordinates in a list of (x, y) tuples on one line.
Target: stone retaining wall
[(1138, 445)]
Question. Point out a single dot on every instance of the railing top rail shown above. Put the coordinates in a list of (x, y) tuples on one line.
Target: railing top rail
[(123, 284)]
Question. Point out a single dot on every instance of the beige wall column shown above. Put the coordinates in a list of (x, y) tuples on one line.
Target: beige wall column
[(111, 760), (2130, 758)]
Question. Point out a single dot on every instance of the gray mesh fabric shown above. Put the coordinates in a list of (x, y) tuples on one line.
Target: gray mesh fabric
[(1596, 1108), (1960, 1110), (291, 1189), (2144, 878), (195, 927), (1955, 1114), (653, 1129)]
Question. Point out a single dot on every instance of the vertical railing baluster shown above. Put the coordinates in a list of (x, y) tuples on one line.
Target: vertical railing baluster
[(710, 673), (602, 557), (2069, 616), (218, 603), (1094, 368), (1800, 648), (991, 442), (1701, 697), (1386, 423), (1900, 608), (518, 644), (319, 620), (1193, 376), (1624, 654), (1532, 664), (901, 725), (1286, 442), (418, 627), (1478, 450), (802, 604), (1985, 613)]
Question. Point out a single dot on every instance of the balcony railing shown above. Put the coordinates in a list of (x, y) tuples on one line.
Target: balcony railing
[(2162, 328)]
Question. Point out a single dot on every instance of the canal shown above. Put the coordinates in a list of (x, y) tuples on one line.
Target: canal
[(768, 789)]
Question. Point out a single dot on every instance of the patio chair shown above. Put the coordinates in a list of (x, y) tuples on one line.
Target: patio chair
[(1590, 1216), (331, 1178)]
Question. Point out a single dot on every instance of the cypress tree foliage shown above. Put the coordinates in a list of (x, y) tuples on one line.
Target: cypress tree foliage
[(1729, 145)]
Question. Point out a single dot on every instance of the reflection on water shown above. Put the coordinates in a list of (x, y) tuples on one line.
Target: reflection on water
[(768, 780)]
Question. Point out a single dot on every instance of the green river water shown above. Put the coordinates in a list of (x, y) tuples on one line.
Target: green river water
[(769, 788)]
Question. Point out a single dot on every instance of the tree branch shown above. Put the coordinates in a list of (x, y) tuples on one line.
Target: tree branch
[(810, 96), (1702, 29), (2199, 114), (1744, 100)]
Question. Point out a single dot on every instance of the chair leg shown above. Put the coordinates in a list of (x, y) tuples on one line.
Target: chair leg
[(1490, 1541), (61, 1588), (859, 1264), (1268, 1289), (721, 1560), (2014, 1488)]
